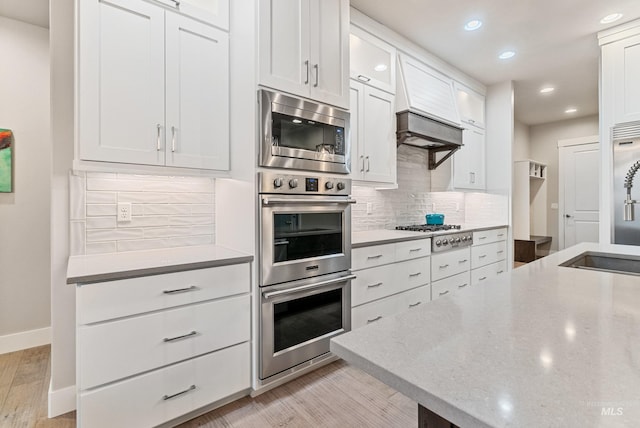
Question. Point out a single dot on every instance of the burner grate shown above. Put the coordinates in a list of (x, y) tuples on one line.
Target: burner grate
[(429, 227)]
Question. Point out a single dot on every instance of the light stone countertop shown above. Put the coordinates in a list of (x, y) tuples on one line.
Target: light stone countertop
[(113, 266), (545, 346), (387, 236)]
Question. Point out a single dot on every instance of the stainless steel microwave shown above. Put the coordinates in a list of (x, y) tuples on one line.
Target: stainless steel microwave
[(304, 135)]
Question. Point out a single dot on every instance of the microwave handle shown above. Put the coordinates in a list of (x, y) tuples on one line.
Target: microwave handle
[(270, 294), (275, 201)]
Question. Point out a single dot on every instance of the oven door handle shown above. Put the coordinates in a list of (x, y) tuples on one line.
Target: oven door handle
[(275, 201), (270, 294)]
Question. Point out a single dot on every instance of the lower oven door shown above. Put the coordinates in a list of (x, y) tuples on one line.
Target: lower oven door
[(298, 320)]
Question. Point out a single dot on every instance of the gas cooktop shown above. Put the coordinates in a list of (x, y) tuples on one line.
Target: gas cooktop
[(429, 227)]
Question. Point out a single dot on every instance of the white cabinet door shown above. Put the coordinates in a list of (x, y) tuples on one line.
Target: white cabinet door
[(329, 51), (626, 69), (469, 161), (284, 45), (372, 61), (470, 105), (356, 93), (121, 82), (378, 135), (197, 94), (214, 12)]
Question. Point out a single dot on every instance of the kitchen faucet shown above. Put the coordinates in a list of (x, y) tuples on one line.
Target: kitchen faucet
[(628, 183)]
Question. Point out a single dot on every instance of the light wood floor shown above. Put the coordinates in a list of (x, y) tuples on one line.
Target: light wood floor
[(336, 395)]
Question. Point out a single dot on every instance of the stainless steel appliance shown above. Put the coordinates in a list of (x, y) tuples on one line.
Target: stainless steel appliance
[(300, 134), (444, 236), (626, 155), (305, 242)]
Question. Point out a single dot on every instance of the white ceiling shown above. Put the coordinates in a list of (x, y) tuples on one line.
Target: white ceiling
[(555, 41), (34, 12)]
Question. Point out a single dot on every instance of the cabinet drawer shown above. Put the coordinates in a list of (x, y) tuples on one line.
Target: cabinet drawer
[(449, 285), (483, 255), (144, 401), (413, 249), (374, 311), (450, 263), (113, 299), (117, 349), (417, 297), (485, 273), (413, 273), (372, 284), (489, 236), (372, 256)]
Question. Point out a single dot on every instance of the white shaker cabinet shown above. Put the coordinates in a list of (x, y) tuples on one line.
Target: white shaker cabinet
[(620, 71), (214, 12), (372, 61), (304, 48), (470, 105), (373, 141), (152, 86), (469, 161)]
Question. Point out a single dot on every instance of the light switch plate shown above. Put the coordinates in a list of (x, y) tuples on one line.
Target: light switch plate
[(369, 207), (124, 212)]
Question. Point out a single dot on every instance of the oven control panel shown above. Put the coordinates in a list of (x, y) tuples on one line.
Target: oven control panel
[(450, 241), (308, 184)]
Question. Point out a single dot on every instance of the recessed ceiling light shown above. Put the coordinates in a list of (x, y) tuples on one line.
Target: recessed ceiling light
[(474, 24), (547, 90), (611, 18), (571, 110), (380, 67), (507, 55)]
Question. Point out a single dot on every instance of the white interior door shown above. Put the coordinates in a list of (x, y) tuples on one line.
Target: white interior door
[(579, 194)]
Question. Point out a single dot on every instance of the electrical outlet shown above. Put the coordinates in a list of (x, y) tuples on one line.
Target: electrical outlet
[(433, 207), (124, 211), (369, 207), (457, 206)]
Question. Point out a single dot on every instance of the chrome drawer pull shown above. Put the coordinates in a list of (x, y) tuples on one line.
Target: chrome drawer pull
[(306, 64), (500, 271), (463, 261), (374, 285), (500, 235), (444, 292), (482, 256), (414, 304), (482, 237), (363, 78), (180, 290), (158, 139), (169, 397), (482, 279), (462, 286), (374, 257), (501, 251), (415, 274), (444, 266), (415, 249), (184, 336), (379, 317)]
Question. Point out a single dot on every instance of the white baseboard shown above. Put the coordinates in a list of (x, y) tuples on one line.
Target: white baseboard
[(24, 340), (61, 401)]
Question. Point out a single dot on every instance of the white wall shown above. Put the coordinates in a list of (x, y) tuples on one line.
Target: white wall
[(544, 148), (24, 219), (521, 143)]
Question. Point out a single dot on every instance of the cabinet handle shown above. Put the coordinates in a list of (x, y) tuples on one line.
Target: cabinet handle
[(482, 256), (375, 285), (413, 305), (482, 279), (317, 68), (462, 286), (500, 235), (411, 275), (379, 317), (415, 249), (169, 397), (184, 336), (173, 138), (180, 290), (377, 256), (363, 78), (443, 293), (463, 261), (501, 251), (473, 177), (362, 169), (500, 271), (158, 127), (306, 64), (482, 237), (368, 164), (444, 266), (177, 2)]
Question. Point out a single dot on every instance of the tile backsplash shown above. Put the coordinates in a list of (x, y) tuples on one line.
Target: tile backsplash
[(413, 198), (166, 212)]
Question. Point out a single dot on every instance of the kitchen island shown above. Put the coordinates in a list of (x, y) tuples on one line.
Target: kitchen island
[(545, 346)]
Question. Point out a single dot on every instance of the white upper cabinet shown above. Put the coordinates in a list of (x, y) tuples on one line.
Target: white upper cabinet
[(372, 60), (470, 105), (152, 86), (304, 48), (373, 142), (469, 161), (425, 90), (214, 12), (620, 71)]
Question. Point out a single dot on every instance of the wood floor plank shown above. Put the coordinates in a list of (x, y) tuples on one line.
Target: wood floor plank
[(9, 364)]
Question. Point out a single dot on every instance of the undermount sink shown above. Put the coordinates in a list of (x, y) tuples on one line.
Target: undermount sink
[(605, 262)]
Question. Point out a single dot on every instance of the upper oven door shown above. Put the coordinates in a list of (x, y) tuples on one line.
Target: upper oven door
[(303, 135), (303, 237)]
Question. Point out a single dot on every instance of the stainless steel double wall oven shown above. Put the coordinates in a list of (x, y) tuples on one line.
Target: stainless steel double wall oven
[(305, 246)]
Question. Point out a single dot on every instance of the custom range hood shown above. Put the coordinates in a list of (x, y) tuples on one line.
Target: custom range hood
[(427, 114)]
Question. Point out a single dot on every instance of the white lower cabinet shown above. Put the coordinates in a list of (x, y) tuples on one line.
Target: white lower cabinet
[(450, 263), (482, 274), (389, 306), (449, 285), (488, 255), (153, 348)]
